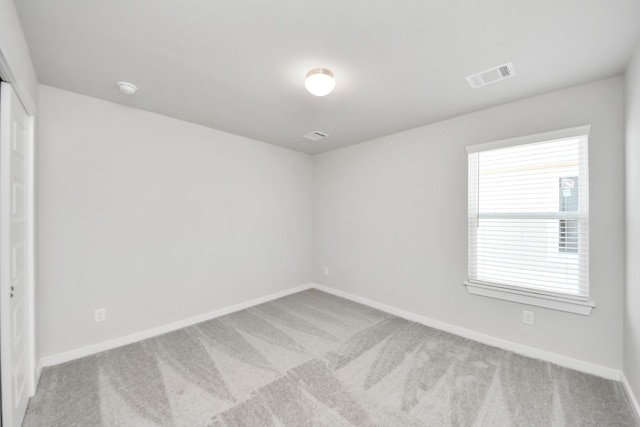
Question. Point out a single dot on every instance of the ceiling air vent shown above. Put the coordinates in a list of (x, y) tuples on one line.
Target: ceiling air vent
[(491, 75), (315, 136)]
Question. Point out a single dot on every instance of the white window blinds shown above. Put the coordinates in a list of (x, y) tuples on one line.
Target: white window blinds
[(529, 214)]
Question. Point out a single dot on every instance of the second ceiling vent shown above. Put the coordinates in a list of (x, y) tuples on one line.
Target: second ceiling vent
[(315, 135), (491, 75)]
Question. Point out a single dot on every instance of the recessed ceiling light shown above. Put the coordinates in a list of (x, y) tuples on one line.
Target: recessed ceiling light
[(127, 88), (319, 81)]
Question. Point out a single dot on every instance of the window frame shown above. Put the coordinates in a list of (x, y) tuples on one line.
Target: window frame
[(570, 303)]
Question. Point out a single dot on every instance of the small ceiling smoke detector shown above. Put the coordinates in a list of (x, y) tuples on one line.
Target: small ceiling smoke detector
[(491, 75), (319, 81), (315, 136), (127, 88)]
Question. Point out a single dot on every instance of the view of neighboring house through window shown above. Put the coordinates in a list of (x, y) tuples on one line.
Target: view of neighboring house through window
[(528, 216), (569, 191)]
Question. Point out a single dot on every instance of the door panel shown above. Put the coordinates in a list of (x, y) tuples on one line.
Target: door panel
[(16, 245)]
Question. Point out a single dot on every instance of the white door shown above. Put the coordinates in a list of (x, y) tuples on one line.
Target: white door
[(16, 256)]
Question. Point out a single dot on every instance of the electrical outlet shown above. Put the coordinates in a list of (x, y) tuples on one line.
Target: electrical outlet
[(100, 315), (326, 271), (527, 317)]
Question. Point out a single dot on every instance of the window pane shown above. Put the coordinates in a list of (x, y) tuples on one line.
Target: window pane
[(525, 178), (524, 252)]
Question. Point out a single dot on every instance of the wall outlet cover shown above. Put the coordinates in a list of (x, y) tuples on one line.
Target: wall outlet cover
[(100, 315)]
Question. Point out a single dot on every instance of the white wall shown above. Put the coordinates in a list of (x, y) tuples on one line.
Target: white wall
[(632, 297), (158, 220), (390, 221), (15, 54)]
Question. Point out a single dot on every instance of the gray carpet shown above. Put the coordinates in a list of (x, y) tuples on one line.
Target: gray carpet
[(313, 359)]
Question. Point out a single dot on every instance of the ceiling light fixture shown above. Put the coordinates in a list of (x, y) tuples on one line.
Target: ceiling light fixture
[(319, 81), (127, 88)]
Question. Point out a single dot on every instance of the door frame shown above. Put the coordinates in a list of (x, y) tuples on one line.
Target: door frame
[(22, 91), (32, 371)]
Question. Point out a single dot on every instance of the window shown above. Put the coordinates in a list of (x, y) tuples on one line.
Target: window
[(529, 220)]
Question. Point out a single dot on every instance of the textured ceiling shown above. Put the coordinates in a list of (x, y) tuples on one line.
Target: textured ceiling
[(239, 66)]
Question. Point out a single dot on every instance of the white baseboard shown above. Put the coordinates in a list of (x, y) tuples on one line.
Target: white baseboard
[(535, 353), (632, 396), (56, 359), (524, 350), (38, 374)]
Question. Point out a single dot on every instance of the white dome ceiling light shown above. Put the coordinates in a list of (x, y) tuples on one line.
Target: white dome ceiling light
[(127, 88), (319, 81)]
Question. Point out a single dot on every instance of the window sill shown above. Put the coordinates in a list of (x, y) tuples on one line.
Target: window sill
[(555, 303)]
